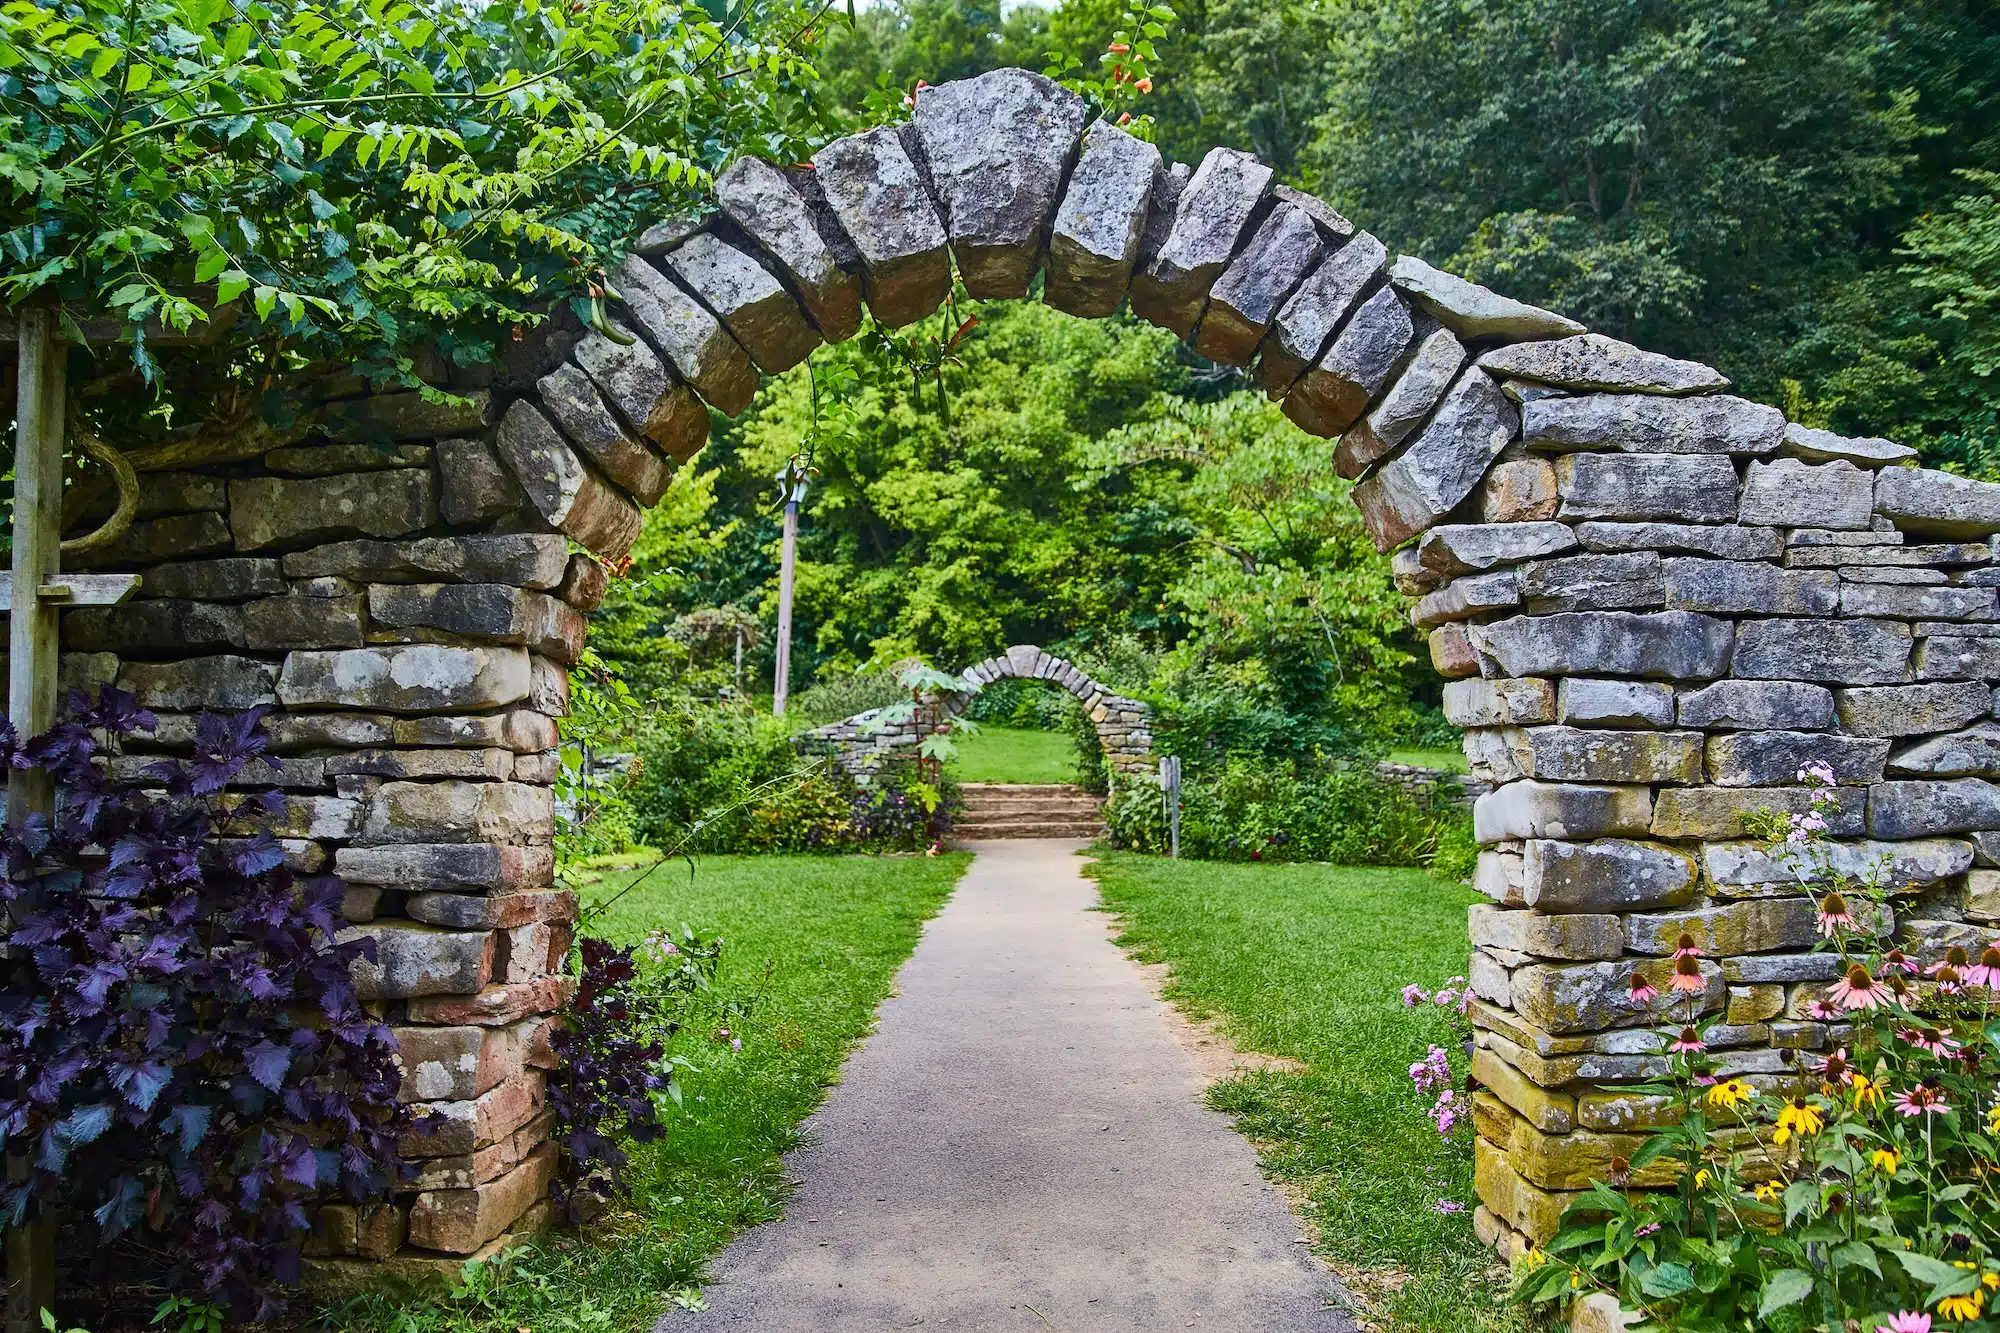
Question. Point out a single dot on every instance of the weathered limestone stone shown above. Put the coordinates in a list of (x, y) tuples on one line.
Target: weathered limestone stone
[(454, 811), (154, 627), (490, 611), (1307, 322), (1562, 1161), (1567, 754), (527, 560), (1470, 310), (1831, 557), (1725, 542), (1519, 491), (1613, 703), (1593, 362), (1773, 758), (502, 911), (1551, 1112), (284, 511), (1782, 969), (1248, 295), (683, 331), (1332, 393), (1209, 221), (1661, 645), (1937, 503), (1646, 424), (175, 537), (1591, 997), (1947, 658), (1892, 574), (997, 145), (1607, 875), (1919, 809), (1169, 183), (1420, 387), (1736, 587), (569, 397), (406, 416), (1628, 487), (1823, 446), (1452, 653), (1534, 1212), (1498, 876), (1838, 652), (1574, 937), (494, 765), (647, 393), (1499, 703), (759, 199), (1786, 493), (1974, 752), (1473, 595), (1754, 1004), (476, 487), (413, 959), (1982, 895), (277, 623), (200, 682), (1760, 925), (437, 868), (566, 492), (460, 1221), (1912, 710), (1410, 577), (1467, 548), (413, 678), (1901, 865), (1593, 583), (878, 196), (1417, 488), (1094, 241), (231, 579), (1531, 809), (1916, 602), (1494, 756), (1724, 812), (1628, 1111), (318, 460), (584, 584), (1780, 705), (756, 309)]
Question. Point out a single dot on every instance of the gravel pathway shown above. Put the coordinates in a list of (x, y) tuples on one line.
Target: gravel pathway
[(1021, 1145)]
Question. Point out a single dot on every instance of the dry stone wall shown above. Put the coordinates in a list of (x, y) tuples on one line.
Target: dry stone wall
[(1655, 600)]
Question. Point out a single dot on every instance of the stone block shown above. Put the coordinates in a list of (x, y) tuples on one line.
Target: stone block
[(1499, 703), (407, 416), (1495, 756), (1519, 491), (754, 307), (1531, 809), (1613, 703), (460, 1221), (1724, 812), (1594, 583), (1591, 362), (573, 402), (564, 490), (150, 541), (1921, 500), (1942, 657), (1912, 710), (1420, 386), (1646, 424), (1758, 705), (1307, 321), (1498, 876), (584, 584), (283, 511), (220, 682), (1605, 875), (490, 611), (1720, 542), (1754, 1004), (524, 559), (1823, 446), (1534, 1212), (151, 628), (520, 730), (684, 331), (1333, 392), (495, 765), (1631, 1112), (276, 623), (1551, 1112), (495, 1005), (758, 199), (1734, 588), (414, 678), (1250, 292), (1916, 602), (1471, 311), (413, 959), (231, 579), (1467, 548), (1452, 654), (1774, 758), (1570, 754), (1761, 925), (1562, 1161), (1417, 488), (1786, 493), (1667, 645), (1837, 652), (1972, 753), (1922, 809), (476, 488), (321, 460), (1094, 241), (436, 867), (1576, 936), (1210, 219), (1476, 594), (1563, 998), (1890, 556), (1736, 867), (1982, 895), (502, 911), (1629, 487), (457, 811)]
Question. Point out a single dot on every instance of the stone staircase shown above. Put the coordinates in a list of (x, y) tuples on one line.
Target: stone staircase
[(1010, 810)]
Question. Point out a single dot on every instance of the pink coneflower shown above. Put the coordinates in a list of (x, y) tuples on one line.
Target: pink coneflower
[(1925, 1039), (1688, 1043), (1986, 972), (1640, 991), (1821, 1010), (1950, 974), (1684, 947), (1687, 975), (1908, 1321), (1898, 961), (1857, 990), (1834, 915), (1924, 1099), (1836, 1069)]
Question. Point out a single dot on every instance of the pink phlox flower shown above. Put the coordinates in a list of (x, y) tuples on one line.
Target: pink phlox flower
[(1803, 826), (1445, 1111), (1414, 995), (736, 1043), (1447, 1206), (1817, 772), (1924, 1099), (1647, 1230), (1907, 1321), (1433, 1071)]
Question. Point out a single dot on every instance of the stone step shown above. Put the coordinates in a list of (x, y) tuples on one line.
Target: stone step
[(991, 805), (1026, 829)]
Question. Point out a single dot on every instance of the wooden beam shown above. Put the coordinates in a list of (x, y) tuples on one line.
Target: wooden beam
[(98, 332), (76, 590)]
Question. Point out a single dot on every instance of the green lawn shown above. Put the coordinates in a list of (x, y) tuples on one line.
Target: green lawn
[(1308, 962), (1013, 754), (1452, 760), (816, 941)]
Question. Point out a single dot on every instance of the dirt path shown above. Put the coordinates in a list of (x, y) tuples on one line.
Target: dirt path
[(1022, 1145)]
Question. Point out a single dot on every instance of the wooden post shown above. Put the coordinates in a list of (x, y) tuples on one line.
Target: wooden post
[(1170, 788), (794, 482), (31, 692)]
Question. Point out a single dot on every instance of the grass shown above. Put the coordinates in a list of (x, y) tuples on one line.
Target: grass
[(1452, 761), (1013, 754), (1307, 961), (815, 942)]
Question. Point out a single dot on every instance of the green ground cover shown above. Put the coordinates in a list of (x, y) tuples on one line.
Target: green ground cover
[(1013, 754), (1308, 962), (1451, 760), (814, 942)]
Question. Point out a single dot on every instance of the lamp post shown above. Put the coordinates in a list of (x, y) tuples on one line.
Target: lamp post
[(792, 478)]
